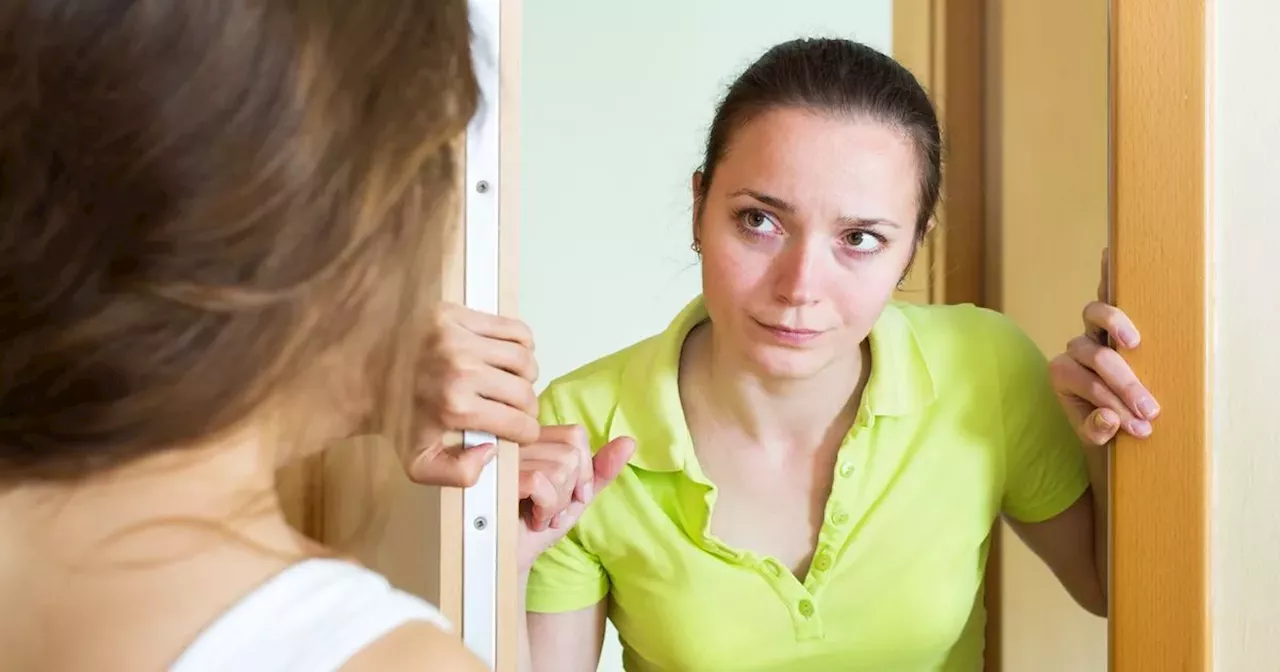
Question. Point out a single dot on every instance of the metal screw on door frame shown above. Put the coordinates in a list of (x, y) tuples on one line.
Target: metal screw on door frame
[(480, 523), (482, 186)]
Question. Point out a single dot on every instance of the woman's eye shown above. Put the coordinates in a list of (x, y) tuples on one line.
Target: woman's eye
[(758, 222), (863, 242)]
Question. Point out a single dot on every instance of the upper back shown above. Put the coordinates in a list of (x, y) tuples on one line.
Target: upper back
[(325, 615)]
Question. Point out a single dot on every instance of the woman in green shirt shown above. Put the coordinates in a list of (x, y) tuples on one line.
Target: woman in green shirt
[(807, 472)]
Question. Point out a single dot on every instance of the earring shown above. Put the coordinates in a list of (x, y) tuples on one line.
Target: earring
[(696, 247)]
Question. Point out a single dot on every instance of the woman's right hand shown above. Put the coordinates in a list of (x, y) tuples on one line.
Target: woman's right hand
[(476, 374), (559, 478)]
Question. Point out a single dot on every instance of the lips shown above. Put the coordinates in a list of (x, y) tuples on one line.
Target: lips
[(790, 330), (789, 335)]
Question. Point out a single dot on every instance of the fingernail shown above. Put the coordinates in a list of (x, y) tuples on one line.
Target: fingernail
[(555, 522), (588, 491), (1148, 407), (1129, 337), (1139, 428), (1103, 421)]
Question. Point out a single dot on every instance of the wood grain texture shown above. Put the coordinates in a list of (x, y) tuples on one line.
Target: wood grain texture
[(1160, 618), (914, 46), (942, 43), (960, 28), (508, 281), (1047, 212)]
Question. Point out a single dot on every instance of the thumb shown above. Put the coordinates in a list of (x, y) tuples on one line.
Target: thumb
[(610, 459), (1100, 426), (457, 467)]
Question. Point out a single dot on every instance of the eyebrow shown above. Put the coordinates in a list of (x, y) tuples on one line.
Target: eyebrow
[(779, 204)]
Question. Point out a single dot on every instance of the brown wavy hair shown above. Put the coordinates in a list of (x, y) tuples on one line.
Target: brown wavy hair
[(216, 212)]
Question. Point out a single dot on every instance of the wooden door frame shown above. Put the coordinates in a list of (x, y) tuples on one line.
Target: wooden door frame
[(1161, 252), (942, 43)]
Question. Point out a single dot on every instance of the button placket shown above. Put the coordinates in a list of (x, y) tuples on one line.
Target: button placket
[(822, 561), (805, 607)]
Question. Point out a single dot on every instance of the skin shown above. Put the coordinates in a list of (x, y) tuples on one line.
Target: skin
[(102, 563), (804, 232)]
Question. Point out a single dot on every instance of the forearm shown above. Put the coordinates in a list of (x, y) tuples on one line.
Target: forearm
[(1099, 485), (526, 654)]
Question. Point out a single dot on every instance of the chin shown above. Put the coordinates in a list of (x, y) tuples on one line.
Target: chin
[(788, 364)]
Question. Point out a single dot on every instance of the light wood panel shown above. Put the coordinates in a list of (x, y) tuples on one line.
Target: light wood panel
[(942, 43), (914, 46), (509, 223), (1047, 207), (1161, 246)]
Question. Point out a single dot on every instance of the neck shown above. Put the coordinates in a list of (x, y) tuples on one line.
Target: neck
[(796, 412), (159, 546)]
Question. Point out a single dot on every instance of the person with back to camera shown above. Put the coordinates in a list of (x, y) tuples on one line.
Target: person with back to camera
[(817, 468), (221, 232)]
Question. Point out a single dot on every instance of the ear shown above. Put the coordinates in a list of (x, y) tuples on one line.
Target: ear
[(696, 186), (928, 227)]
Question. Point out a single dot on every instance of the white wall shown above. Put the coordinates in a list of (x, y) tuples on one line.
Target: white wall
[(616, 100), (1245, 162)]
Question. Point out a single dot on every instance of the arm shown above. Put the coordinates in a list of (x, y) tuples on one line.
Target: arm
[(1073, 545), (1101, 397), (568, 584), (1055, 486), (564, 642)]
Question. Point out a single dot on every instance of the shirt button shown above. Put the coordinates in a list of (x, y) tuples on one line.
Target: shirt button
[(823, 562), (806, 608), (846, 470), (771, 566), (839, 518)]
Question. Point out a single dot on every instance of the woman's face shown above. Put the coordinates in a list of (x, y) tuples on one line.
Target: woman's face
[(806, 230)]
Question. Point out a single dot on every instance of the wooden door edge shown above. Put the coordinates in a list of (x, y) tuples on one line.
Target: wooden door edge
[(509, 32), (1161, 276)]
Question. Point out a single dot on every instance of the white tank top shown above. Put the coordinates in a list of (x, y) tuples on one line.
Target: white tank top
[(312, 617)]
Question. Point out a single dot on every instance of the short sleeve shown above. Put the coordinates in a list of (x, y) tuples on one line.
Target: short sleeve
[(566, 577), (1045, 470)]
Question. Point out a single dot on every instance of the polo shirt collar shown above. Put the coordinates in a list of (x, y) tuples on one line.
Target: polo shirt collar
[(649, 408)]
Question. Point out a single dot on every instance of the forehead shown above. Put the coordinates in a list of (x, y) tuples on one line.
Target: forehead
[(819, 158)]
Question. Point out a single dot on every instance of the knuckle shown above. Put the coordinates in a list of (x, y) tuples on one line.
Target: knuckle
[(576, 435), (1109, 359), (1097, 388), (531, 431), (524, 333), (453, 377), (457, 408), (540, 483), (1061, 367)]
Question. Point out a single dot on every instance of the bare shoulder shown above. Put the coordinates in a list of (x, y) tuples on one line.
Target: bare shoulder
[(416, 646)]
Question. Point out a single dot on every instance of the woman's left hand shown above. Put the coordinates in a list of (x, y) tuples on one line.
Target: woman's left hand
[(1095, 385)]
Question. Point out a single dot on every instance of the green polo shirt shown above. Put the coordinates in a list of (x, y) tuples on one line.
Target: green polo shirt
[(958, 423)]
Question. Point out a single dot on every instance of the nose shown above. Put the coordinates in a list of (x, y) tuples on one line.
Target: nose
[(797, 273)]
